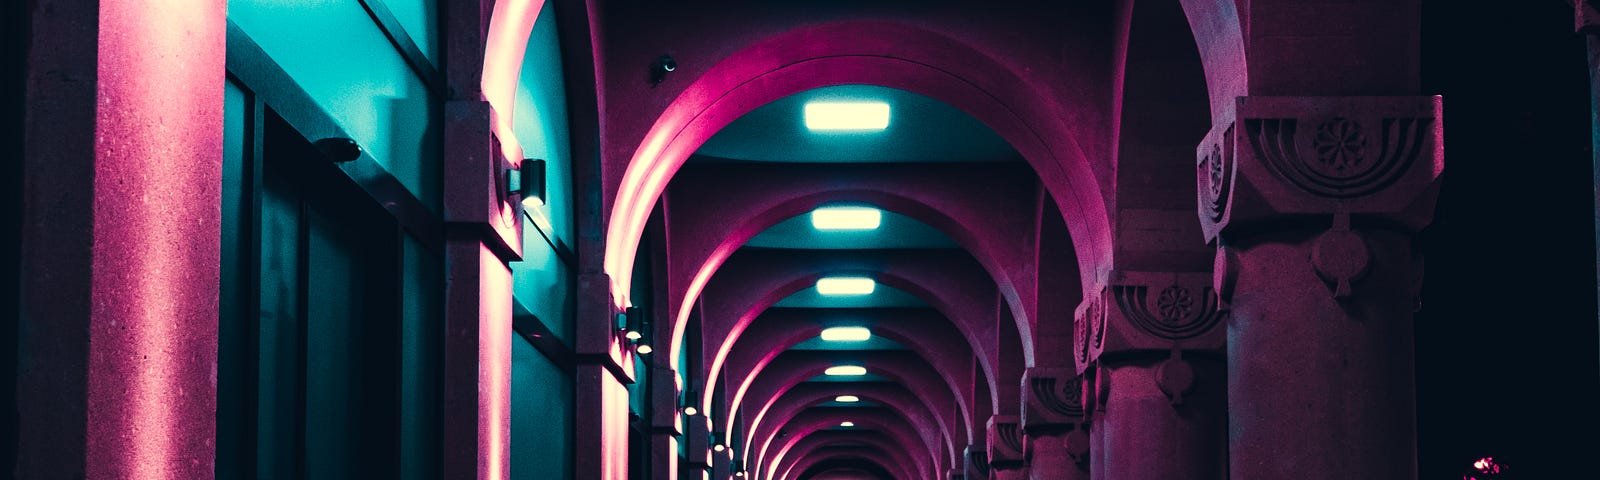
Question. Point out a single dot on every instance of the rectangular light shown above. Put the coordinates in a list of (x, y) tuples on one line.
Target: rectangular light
[(845, 371), (846, 334), (847, 399), (838, 116), (846, 286), (846, 218)]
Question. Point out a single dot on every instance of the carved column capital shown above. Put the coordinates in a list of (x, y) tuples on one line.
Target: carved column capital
[(1161, 311), (1281, 158), (1004, 436), (1052, 400), (1141, 314), (1088, 330)]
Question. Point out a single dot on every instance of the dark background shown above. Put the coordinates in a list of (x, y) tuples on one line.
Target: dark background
[(1507, 358)]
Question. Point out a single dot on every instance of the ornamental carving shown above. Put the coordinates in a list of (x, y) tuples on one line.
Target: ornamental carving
[(1088, 333), (1341, 146), (1005, 441), (1062, 397), (1216, 170), (1174, 313), (1334, 159), (1175, 304)]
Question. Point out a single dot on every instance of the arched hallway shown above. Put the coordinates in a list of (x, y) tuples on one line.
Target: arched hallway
[(518, 239)]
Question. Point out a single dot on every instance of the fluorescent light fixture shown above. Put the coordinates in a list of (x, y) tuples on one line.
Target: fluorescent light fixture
[(847, 399), (845, 371), (846, 218), (846, 334), (846, 286), (847, 423), (847, 116)]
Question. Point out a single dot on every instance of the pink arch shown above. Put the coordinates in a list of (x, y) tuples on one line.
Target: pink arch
[(882, 53), (760, 202), (506, 44)]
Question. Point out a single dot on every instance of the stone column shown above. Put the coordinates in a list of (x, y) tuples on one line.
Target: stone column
[(483, 234), (1053, 423), (1006, 459), (664, 427), (697, 439), (1097, 424), (120, 260), (1314, 203), (1158, 340), (976, 461), (604, 371)]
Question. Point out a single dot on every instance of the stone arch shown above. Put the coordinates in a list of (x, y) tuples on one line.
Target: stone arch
[(902, 399), (944, 349), (793, 368), (806, 423), (757, 280), (959, 206), (825, 441), (865, 52)]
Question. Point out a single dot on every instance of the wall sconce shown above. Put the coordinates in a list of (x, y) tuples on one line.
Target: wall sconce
[(633, 324), (688, 404), (659, 69), (339, 150), (527, 182)]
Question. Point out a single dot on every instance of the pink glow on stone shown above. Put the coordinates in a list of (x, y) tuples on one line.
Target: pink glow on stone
[(151, 371), (494, 377), (505, 47)]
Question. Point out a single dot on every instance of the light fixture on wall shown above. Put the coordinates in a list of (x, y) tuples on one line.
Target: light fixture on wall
[(339, 149), (643, 349), (847, 399), (688, 407), (719, 448), (659, 69), (847, 424), (527, 182), (633, 324)]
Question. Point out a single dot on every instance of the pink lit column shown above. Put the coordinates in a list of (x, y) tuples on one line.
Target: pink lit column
[(1053, 421), (1005, 455), (1315, 202), (604, 370), (1159, 339), (121, 240), (483, 235)]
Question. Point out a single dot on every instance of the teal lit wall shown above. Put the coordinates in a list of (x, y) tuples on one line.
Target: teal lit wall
[(378, 100), (541, 393), (544, 278), (354, 76)]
